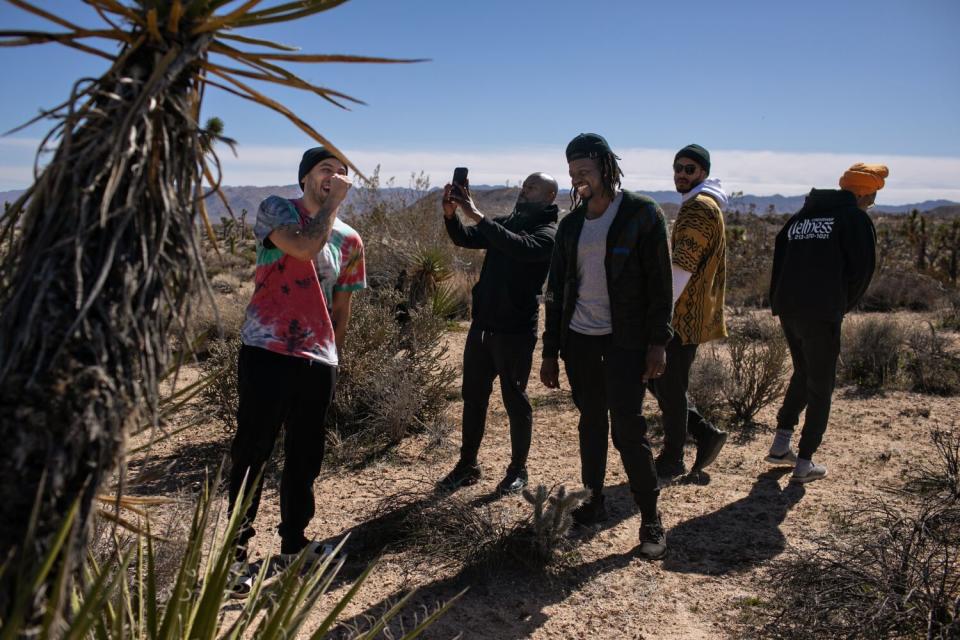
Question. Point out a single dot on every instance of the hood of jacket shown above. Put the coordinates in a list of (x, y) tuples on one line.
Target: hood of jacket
[(710, 187), (827, 199)]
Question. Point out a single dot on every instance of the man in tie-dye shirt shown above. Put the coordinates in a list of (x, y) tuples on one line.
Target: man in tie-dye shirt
[(342, 271), (287, 368)]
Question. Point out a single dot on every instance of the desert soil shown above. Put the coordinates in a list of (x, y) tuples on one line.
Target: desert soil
[(725, 529)]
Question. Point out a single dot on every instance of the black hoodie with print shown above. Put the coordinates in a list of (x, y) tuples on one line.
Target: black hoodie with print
[(824, 258)]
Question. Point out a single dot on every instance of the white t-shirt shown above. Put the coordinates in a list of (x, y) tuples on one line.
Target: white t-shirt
[(592, 315)]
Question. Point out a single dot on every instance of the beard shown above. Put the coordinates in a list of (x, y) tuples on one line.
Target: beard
[(686, 187)]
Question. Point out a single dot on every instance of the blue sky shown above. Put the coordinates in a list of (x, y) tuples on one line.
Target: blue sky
[(785, 94)]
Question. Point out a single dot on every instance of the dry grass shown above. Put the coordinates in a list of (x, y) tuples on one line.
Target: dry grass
[(871, 352), (887, 571)]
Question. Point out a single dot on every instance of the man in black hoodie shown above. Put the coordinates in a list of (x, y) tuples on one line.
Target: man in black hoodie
[(505, 308), (822, 264)]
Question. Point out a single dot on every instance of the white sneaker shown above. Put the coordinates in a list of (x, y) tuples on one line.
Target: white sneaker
[(804, 473), (788, 459), (315, 552)]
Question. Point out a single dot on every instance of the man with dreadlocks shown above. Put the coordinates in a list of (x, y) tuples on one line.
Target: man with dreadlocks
[(608, 303)]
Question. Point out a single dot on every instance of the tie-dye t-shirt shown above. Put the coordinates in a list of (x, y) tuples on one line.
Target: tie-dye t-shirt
[(287, 313), (340, 264)]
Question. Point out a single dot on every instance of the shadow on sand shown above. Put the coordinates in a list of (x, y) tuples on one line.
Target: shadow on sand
[(506, 599), (738, 536)]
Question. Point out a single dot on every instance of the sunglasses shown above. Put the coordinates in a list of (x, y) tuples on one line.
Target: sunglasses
[(688, 169)]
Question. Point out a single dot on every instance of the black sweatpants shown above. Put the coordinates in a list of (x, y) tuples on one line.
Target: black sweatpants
[(606, 379), (814, 348), (278, 390), (486, 356), (680, 414)]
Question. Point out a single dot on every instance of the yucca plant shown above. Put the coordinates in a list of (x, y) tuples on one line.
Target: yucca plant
[(429, 266), (124, 598), (101, 252)]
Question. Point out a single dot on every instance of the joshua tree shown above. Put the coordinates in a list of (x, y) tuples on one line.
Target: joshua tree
[(97, 258), (917, 234)]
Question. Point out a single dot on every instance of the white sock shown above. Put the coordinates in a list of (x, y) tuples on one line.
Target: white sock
[(781, 442), (803, 467)]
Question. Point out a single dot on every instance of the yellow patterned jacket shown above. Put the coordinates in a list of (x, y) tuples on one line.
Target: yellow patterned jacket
[(699, 246)]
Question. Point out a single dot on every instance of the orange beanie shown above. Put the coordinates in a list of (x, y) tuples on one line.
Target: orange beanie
[(862, 179)]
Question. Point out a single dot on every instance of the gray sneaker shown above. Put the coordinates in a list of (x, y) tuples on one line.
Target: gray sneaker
[(808, 473), (788, 459)]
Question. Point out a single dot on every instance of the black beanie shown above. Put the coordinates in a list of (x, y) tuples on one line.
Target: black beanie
[(696, 153), (310, 159), (587, 145)]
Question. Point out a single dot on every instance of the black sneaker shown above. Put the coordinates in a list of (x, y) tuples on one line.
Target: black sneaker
[(463, 475), (708, 449), (669, 469), (653, 539), (590, 512), (514, 481), (241, 578)]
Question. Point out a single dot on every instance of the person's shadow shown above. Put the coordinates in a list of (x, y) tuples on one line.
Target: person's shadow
[(740, 535)]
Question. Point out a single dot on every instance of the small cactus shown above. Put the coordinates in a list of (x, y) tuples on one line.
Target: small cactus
[(552, 515)]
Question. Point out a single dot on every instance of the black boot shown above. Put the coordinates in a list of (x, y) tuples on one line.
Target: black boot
[(669, 469), (514, 481), (653, 539), (590, 512), (464, 474), (708, 448)]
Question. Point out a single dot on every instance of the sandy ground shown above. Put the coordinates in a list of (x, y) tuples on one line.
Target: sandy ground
[(724, 530)]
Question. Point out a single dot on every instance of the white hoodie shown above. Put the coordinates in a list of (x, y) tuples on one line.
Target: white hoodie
[(711, 187)]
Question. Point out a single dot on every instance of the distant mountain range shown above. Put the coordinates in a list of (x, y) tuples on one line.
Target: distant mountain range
[(249, 198)]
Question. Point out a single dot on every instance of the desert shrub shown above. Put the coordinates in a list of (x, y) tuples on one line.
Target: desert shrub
[(950, 314), (393, 379), (755, 375), (707, 378), (222, 321), (888, 571), (871, 352), (902, 289), (940, 477), (750, 241), (451, 533), (929, 365), (755, 326), (219, 397)]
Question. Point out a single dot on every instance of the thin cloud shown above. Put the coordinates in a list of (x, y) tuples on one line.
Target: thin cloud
[(912, 178)]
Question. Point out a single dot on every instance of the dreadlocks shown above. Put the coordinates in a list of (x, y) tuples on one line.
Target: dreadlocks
[(610, 174)]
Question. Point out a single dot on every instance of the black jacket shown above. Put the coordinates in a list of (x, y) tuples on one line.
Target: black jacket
[(639, 279), (824, 258), (518, 247)]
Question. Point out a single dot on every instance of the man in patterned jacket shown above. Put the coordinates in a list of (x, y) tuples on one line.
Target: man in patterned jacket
[(287, 367), (699, 272)]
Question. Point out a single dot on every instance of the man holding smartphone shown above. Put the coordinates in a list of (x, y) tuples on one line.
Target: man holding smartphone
[(503, 331), (608, 303), (287, 367)]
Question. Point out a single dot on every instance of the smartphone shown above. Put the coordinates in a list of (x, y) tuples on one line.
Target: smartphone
[(460, 177)]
